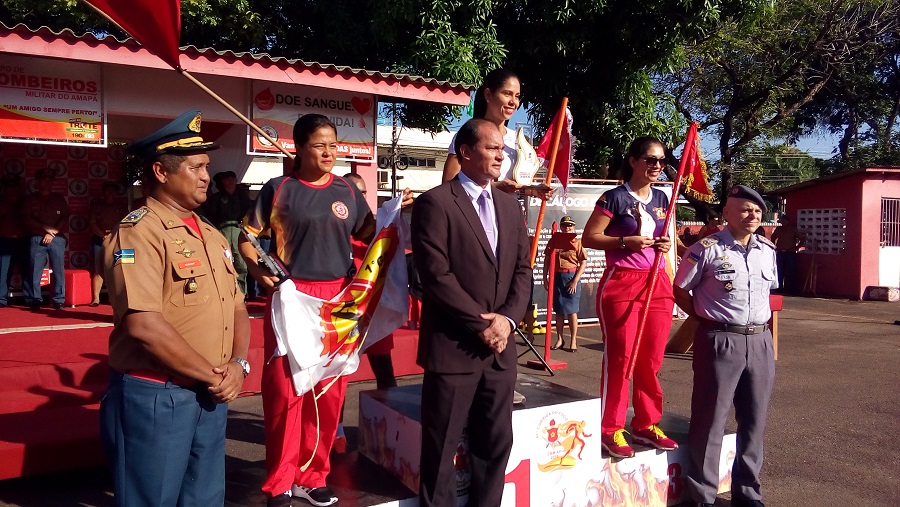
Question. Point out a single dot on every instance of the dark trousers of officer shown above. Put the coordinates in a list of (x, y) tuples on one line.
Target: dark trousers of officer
[(165, 443), (56, 251), (729, 368)]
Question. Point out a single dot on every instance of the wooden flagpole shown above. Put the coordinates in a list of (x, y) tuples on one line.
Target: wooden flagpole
[(689, 149), (234, 111), (554, 147)]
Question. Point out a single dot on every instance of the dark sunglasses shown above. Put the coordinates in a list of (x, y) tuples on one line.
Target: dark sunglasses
[(654, 161)]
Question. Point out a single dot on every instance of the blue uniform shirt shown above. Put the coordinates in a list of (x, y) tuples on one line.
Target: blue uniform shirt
[(730, 282)]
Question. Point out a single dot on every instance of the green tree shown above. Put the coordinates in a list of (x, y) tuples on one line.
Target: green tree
[(599, 53), (750, 78)]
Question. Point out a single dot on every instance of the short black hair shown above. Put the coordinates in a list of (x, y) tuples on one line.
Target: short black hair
[(170, 162), (353, 176), (307, 124), (468, 133)]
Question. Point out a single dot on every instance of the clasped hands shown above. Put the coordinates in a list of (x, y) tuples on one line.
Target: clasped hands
[(232, 380), (638, 243), (497, 333)]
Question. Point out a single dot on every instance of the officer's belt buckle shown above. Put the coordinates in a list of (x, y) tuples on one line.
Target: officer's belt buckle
[(751, 329)]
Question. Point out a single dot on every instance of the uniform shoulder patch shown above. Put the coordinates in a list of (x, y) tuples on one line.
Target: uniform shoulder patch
[(709, 241), (764, 240), (135, 216)]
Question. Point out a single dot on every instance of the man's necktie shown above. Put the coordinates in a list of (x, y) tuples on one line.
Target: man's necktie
[(487, 220)]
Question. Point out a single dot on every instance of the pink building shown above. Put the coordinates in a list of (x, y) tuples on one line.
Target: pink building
[(852, 225)]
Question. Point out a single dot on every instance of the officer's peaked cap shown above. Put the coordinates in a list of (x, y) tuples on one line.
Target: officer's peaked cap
[(180, 137)]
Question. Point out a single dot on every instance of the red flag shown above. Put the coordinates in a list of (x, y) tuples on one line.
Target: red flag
[(695, 177), (565, 151), (156, 24)]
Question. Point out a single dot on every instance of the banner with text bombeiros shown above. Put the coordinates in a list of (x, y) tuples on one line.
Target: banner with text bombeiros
[(276, 107), (51, 102)]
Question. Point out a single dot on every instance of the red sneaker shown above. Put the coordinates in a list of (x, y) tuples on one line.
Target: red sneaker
[(654, 437), (616, 445)]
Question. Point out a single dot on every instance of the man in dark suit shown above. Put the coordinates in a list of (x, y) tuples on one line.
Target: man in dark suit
[(471, 252)]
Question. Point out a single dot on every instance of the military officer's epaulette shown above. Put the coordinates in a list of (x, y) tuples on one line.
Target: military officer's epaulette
[(709, 241), (764, 240), (135, 216)]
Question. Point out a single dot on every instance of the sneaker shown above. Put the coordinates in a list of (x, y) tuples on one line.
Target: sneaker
[(654, 437), (282, 500), (340, 445), (616, 445), (319, 497)]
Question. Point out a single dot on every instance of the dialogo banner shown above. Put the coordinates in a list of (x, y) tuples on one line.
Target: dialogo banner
[(51, 102), (323, 339), (579, 204), (276, 107)]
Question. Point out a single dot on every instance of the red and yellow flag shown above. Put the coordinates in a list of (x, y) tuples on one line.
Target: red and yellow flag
[(695, 177)]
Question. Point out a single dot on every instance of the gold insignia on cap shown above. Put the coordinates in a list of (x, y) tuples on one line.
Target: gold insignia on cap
[(194, 125)]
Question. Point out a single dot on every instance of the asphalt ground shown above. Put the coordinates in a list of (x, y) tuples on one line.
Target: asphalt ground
[(831, 430)]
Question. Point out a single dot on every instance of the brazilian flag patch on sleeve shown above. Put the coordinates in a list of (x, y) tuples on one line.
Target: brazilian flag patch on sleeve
[(124, 256)]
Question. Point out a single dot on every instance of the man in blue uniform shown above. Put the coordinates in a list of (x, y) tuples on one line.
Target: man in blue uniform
[(730, 274)]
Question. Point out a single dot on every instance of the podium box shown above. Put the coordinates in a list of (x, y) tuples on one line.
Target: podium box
[(556, 457)]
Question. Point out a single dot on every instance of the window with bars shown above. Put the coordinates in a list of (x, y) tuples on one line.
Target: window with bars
[(890, 221)]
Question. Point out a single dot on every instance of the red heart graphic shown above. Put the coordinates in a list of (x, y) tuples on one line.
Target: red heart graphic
[(362, 106)]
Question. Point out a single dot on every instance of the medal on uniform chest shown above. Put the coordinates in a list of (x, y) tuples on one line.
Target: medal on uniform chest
[(178, 242), (191, 286), (728, 286), (186, 252)]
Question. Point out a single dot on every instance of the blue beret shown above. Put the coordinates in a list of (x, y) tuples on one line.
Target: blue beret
[(181, 136), (745, 192)]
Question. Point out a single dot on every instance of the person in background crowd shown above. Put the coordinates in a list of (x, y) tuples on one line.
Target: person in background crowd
[(570, 264), (46, 212), (495, 101), (13, 235), (731, 274), (628, 224), (177, 352), (104, 215), (226, 209), (713, 225), (471, 249), (313, 216), (788, 241)]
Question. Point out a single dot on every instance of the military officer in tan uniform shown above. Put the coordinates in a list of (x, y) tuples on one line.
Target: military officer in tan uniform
[(177, 351)]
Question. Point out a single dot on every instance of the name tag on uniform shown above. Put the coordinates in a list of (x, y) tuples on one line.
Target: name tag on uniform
[(190, 264), (725, 275)]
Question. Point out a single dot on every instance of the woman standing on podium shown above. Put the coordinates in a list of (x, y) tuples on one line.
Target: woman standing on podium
[(495, 101), (627, 223)]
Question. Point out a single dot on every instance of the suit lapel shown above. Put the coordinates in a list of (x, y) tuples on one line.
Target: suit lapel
[(465, 206)]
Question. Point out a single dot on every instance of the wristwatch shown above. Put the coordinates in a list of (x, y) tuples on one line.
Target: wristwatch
[(622, 242), (244, 365)]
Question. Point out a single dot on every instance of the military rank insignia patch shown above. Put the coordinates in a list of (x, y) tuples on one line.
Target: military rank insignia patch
[(124, 256), (135, 216)]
